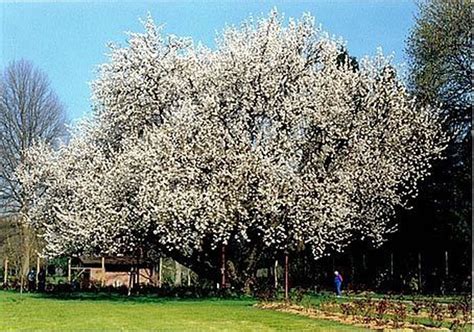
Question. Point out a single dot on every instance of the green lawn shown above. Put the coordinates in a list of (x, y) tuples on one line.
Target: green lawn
[(117, 313)]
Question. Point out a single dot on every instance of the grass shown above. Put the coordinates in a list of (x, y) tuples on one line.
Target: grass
[(104, 312)]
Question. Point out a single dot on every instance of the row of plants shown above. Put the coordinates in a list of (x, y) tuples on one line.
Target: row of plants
[(95, 289), (386, 311), (429, 312), (454, 315)]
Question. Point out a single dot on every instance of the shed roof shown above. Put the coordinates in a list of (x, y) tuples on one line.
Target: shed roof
[(122, 261)]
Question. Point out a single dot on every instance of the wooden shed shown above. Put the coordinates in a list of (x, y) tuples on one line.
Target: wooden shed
[(114, 271)]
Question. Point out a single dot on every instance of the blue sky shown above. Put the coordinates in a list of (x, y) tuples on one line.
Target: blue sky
[(67, 39)]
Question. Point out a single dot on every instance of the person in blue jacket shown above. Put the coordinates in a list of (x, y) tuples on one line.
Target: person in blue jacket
[(337, 282)]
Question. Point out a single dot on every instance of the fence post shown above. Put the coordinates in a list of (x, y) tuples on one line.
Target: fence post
[(130, 281), (419, 271), (223, 281), (391, 265), (37, 270), (446, 263), (103, 272), (352, 268), (275, 273), (286, 276), (69, 271), (5, 277), (138, 277), (160, 269)]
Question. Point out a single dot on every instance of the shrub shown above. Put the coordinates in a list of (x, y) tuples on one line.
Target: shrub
[(435, 313), (400, 314), (347, 309), (381, 310), (417, 306), (463, 307), (297, 294), (265, 293)]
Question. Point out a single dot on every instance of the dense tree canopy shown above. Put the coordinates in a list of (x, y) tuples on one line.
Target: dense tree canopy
[(440, 51), (274, 140)]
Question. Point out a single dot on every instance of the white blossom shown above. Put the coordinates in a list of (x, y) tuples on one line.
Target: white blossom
[(272, 137)]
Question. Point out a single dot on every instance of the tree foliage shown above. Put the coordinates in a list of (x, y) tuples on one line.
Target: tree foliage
[(440, 49), (270, 142)]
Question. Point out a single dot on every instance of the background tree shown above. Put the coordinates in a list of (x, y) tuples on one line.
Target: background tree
[(440, 52), (30, 112)]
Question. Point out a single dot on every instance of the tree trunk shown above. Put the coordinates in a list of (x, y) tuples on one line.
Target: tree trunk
[(200, 262), (207, 263), (25, 250), (286, 277), (249, 267)]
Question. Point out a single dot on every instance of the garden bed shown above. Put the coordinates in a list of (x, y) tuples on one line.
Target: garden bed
[(383, 314)]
